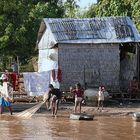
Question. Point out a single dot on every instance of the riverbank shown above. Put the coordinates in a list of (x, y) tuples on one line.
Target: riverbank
[(66, 109)]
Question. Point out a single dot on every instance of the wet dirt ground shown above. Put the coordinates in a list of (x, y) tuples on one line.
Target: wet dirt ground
[(113, 123)]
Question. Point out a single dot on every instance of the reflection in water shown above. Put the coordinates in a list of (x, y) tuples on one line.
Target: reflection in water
[(62, 128), (10, 127)]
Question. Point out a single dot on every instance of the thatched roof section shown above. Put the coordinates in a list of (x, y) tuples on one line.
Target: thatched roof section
[(90, 30)]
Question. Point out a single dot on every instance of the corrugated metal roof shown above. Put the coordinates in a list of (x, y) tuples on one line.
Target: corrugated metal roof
[(93, 30)]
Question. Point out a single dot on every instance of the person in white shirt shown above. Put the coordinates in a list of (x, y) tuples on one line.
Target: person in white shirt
[(5, 79), (101, 97), (5, 100)]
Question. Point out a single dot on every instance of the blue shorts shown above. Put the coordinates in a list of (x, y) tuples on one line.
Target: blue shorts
[(3, 102)]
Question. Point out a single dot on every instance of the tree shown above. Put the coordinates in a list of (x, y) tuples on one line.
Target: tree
[(19, 24), (70, 8), (90, 12), (135, 4), (115, 8)]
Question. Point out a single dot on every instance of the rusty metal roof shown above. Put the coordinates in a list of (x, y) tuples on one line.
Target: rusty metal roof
[(92, 30)]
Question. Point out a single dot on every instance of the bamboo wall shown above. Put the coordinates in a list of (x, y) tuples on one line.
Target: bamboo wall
[(95, 64)]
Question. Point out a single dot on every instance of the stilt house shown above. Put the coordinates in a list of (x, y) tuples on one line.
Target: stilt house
[(92, 51)]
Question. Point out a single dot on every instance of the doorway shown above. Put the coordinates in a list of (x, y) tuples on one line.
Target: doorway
[(128, 64)]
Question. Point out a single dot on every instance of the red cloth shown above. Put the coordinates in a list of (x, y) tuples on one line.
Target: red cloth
[(53, 75), (13, 78), (59, 75)]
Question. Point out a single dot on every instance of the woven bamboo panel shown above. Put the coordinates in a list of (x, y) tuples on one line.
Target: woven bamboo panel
[(94, 64)]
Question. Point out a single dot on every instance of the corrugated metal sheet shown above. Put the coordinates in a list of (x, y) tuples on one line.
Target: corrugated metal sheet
[(93, 30)]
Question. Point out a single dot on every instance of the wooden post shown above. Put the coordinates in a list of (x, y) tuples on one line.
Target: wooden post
[(138, 61), (84, 78), (18, 63)]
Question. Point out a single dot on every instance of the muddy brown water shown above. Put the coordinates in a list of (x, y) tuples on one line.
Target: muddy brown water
[(45, 127)]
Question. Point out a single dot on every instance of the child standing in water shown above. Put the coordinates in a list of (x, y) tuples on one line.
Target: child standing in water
[(101, 98), (78, 93)]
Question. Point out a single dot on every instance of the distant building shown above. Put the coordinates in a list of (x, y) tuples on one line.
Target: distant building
[(95, 51)]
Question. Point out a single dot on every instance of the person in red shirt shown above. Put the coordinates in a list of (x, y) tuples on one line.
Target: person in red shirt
[(78, 93), (133, 87)]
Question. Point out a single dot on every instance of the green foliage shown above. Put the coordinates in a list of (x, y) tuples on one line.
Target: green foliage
[(90, 12), (136, 12), (19, 25), (115, 8), (20, 21), (71, 8)]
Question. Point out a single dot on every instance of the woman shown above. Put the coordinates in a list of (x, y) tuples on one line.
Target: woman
[(5, 102), (53, 96), (78, 93), (4, 93), (5, 79)]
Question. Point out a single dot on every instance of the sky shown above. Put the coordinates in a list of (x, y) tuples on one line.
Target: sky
[(85, 3)]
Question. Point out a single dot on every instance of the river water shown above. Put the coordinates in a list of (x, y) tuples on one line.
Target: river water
[(45, 127)]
